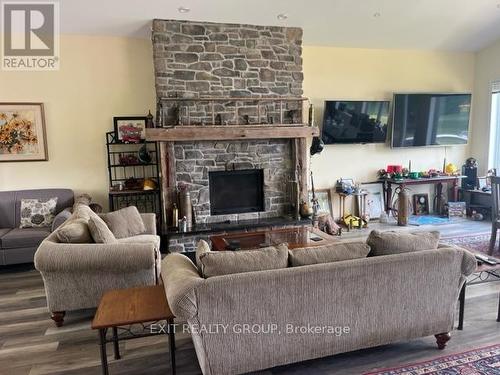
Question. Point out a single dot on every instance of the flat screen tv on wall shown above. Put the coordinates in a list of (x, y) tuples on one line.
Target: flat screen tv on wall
[(353, 121), (430, 119)]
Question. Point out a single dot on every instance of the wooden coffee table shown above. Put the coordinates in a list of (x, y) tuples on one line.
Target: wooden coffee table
[(295, 238), (122, 308)]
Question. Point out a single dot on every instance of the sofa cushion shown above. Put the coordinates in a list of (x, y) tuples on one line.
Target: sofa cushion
[(201, 247), (218, 263), (334, 252), (81, 211), (61, 218), (3, 232), (100, 231), (142, 238), (390, 242), (126, 222), (24, 237), (74, 231), (37, 213)]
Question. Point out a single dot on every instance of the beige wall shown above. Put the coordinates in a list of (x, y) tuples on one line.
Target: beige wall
[(105, 76), (370, 74), (100, 77), (487, 71)]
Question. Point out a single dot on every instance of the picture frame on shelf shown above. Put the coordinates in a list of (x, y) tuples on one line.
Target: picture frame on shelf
[(324, 198), (457, 209), (23, 134), (374, 199), (130, 129), (482, 182), (420, 204)]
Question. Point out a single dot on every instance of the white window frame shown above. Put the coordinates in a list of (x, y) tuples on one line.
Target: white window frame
[(494, 106)]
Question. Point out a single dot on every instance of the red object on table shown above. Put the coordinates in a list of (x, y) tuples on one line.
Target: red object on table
[(394, 168)]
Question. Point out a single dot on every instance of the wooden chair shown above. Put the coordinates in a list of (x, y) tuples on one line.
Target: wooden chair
[(495, 212)]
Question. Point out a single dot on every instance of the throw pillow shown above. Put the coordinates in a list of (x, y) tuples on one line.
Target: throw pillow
[(81, 211), (218, 263), (126, 222), (201, 248), (37, 213), (387, 243), (100, 231), (334, 252), (74, 231)]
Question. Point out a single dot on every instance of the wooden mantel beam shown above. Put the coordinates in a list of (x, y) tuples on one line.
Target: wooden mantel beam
[(229, 132)]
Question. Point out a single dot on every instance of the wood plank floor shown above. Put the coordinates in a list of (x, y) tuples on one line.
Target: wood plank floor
[(31, 344)]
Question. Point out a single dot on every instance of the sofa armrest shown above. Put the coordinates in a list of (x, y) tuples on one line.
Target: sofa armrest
[(180, 278), (149, 222), (60, 218), (115, 258), (469, 261)]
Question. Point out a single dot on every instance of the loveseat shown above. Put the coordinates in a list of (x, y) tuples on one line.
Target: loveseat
[(256, 320), (76, 275), (18, 245)]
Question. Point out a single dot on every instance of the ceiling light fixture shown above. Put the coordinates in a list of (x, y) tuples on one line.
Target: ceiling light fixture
[(376, 15), (282, 16), (183, 10)]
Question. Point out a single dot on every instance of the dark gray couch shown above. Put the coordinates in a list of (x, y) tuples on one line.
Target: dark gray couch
[(19, 245)]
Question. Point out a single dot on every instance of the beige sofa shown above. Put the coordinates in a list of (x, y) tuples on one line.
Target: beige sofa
[(301, 313), (77, 275)]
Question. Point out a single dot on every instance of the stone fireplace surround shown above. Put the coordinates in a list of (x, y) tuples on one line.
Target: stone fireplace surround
[(208, 60), (194, 160)]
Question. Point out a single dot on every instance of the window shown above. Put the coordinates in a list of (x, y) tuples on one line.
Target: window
[(495, 127)]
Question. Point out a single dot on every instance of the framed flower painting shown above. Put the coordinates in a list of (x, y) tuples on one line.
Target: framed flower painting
[(22, 132)]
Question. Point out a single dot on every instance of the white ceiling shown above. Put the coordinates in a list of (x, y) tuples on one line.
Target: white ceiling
[(458, 25)]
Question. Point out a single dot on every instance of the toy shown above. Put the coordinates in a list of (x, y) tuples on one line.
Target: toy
[(451, 169), (351, 221)]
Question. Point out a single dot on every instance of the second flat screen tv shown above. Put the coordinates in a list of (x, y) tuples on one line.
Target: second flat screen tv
[(355, 121), (430, 119)]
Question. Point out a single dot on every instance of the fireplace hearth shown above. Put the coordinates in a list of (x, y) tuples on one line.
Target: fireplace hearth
[(236, 192)]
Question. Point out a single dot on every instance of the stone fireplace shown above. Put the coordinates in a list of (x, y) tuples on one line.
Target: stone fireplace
[(195, 161), (236, 63)]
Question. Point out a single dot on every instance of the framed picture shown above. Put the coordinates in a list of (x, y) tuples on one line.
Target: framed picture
[(374, 199), (130, 129), (22, 132), (324, 200), (421, 204), (482, 182), (457, 209)]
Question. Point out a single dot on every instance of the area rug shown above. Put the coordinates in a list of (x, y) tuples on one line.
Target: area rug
[(482, 361), (427, 220), (475, 242)]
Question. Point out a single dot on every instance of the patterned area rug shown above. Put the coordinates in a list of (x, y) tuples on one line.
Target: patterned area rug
[(476, 242), (483, 361)]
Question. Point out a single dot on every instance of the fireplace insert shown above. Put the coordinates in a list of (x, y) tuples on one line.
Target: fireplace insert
[(235, 192)]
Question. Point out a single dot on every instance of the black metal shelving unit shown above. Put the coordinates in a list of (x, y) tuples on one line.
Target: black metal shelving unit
[(119, 172)]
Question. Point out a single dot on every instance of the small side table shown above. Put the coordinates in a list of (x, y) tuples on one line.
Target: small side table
[(124, 307), (484, 273)]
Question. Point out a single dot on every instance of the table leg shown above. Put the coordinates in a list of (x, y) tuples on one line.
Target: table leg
[(388, 197), (455, 190), (461, 310), (498, 315), (439, 202), (116, 346), (171, 339), (102, 344)]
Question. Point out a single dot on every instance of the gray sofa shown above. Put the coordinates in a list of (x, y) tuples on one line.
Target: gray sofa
[(18, 245), (378, 300)]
